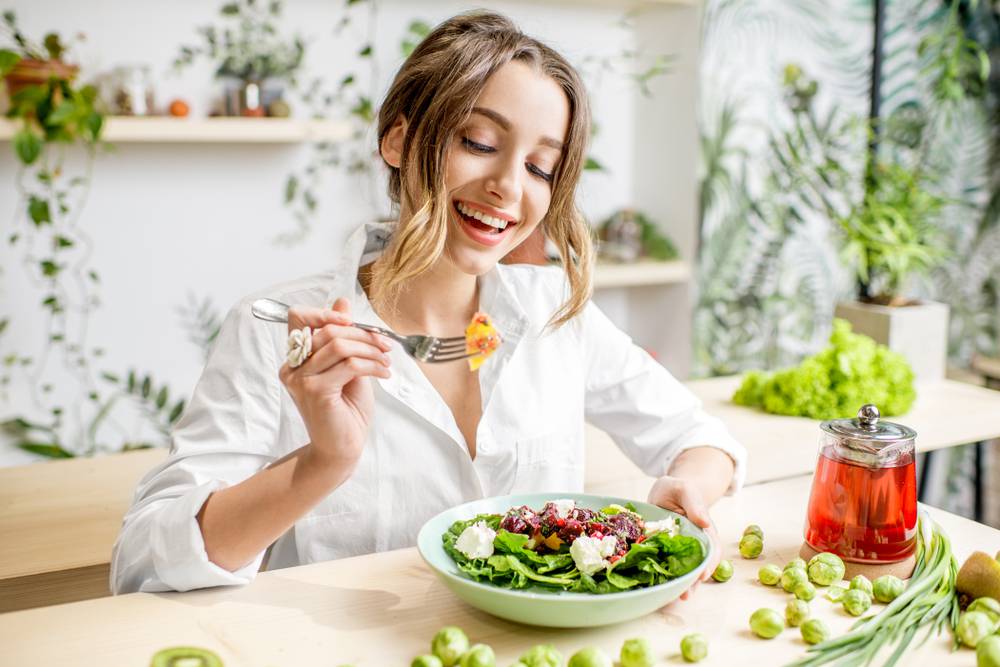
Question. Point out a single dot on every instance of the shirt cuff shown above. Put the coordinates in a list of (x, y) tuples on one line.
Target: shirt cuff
[(179, 554), (713, 434)]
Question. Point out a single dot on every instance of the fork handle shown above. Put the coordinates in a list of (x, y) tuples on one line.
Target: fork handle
[(379, 330), (271, 310)]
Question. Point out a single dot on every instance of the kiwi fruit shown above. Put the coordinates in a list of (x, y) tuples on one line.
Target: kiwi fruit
[(185, 656), (979, 576)]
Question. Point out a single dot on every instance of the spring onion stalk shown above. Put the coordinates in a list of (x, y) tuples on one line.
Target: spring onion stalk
[(929, 602)]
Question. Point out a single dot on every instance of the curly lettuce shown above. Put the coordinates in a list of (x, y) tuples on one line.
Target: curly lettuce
[(851, 371)]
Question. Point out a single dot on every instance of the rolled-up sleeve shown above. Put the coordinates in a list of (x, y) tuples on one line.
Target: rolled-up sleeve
[(227, 433), (649, 414)]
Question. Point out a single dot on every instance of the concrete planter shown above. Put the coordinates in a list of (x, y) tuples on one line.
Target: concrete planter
[(919, 332)]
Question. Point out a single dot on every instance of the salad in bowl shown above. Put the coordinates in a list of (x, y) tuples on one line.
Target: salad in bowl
[(570, 560)]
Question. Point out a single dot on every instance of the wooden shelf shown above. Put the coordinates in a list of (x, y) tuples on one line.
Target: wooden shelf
[(639, 274), (165, 129)]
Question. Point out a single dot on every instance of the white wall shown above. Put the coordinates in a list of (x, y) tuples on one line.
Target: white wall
[(173, 220)]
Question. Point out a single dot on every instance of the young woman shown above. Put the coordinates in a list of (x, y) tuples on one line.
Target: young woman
[(484, 133)]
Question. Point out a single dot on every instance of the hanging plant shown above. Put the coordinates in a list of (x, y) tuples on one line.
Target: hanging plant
[(53, 115)]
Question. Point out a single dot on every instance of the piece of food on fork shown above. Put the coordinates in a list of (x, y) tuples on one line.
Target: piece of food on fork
[(481, 340)]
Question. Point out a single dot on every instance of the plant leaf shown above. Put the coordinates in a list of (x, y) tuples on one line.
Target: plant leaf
[(51, 450), (27, 145)]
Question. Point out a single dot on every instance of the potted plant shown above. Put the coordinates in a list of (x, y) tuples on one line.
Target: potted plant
[(249, 52), (889, 237)]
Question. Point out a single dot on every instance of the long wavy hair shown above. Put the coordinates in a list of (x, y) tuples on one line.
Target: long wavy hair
[(435, 91)]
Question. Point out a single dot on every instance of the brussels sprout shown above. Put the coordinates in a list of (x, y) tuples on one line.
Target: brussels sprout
[(751, 546), (825, 568), (835, 593), (862, 583), (856, 602), (754, 529), (636, 653), (988, 652), (542, 655), (766, 623), (426, 661), (792, 577), (796, 612), (795, 562), (449, 644), (887, 588), (988, 606), (723, 572), (814, 631), (769, 575), (804, 591), (694, 647), (973, 626), (589, 657), (478, 655)]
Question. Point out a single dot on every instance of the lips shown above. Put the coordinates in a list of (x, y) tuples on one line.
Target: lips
[(480, 232)]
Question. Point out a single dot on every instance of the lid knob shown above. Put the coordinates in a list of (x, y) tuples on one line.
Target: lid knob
[(868, 417)]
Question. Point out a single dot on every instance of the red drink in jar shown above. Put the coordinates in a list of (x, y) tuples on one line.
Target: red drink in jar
[(860, 513), (863, 504)]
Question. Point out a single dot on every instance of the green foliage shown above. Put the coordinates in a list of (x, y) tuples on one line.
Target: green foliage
[(247, 45), (892, 234), (960, 66), (835, 382)]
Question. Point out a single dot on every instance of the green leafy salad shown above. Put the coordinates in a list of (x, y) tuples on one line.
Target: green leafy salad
[(570, 548)]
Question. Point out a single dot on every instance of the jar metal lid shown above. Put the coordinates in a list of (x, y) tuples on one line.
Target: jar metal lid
[(867, 431)]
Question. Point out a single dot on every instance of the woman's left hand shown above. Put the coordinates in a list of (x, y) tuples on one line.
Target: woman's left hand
[(682, 496)]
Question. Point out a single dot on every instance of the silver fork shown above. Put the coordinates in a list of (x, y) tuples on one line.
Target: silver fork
[(430, 349)]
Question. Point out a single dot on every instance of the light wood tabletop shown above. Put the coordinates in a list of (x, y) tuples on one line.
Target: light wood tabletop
[(945, 414), (382, 609), (59, 519)]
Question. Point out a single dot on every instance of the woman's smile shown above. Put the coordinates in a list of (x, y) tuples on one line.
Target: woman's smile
[(485, 228)]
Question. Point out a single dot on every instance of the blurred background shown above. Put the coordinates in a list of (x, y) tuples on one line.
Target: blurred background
[(754, 164)]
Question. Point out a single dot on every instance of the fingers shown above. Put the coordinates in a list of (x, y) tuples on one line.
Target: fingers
[(342, 348), (694, 506), (317, 318), (331, 332)]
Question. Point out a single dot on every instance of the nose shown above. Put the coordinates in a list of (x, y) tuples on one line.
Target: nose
[(504, 181)]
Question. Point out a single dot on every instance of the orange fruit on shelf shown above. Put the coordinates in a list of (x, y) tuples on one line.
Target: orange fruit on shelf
[(179, 108)]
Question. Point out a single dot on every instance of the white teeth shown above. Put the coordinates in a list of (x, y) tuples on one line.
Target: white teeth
[(482, 217)]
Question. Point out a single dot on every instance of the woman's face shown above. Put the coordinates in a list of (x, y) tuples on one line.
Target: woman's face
[(500, 166)]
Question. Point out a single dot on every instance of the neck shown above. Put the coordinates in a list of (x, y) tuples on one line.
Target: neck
[(439, 302)]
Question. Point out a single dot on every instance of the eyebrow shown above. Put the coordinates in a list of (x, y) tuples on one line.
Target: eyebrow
[(502, 121)]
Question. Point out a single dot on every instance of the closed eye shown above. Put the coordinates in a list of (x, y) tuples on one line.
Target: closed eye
[(477, 147), (547, 177)]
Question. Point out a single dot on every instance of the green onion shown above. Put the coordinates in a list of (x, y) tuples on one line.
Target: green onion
[(929, 602)]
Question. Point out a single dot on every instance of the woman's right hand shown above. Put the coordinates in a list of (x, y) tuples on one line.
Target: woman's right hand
[(331, 388)]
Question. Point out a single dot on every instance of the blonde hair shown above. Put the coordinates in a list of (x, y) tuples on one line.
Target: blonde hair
[(435, 91)]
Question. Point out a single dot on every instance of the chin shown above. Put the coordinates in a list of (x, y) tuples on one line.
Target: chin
[(473, 263)]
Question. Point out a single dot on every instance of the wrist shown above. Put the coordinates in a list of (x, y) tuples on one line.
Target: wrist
[(329, 464)]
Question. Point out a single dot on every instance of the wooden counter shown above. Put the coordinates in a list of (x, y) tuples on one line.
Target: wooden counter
[(383, 609), (59, 520), (945, 414)]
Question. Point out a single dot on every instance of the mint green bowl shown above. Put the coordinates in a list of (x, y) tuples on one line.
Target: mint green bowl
[(560, 609)]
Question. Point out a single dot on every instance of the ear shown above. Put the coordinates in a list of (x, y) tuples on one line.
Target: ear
[(392, 143)]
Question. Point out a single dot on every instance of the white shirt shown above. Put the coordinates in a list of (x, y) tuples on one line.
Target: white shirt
[(537, 389)]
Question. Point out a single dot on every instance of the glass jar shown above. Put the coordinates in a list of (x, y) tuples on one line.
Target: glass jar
[(863, 504)]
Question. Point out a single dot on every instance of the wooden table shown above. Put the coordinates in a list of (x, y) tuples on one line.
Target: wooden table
[(945, 414), (59, 519), (383, 609), (58, 522)]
